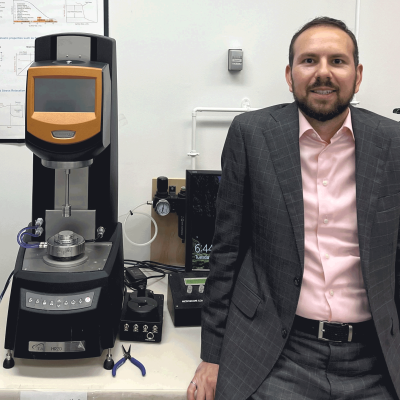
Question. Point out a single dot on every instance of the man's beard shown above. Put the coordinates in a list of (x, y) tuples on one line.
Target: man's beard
[(318, 113)]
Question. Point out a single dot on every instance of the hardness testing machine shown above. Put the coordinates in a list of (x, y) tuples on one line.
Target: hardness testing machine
[(67, 290)]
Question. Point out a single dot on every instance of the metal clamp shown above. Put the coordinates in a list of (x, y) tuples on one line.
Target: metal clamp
[(321, 331)]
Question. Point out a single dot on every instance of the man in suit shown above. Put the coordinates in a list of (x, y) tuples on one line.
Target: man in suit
[(302, 297)]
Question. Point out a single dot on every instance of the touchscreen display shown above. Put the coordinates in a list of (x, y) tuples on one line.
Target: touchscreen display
[(64, 95), (202, 189)]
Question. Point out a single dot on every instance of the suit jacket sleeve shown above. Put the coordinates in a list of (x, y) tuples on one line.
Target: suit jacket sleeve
[(229, 243), (397, 275)]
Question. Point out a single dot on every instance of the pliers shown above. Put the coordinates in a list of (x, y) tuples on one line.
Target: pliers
[(127, 356)]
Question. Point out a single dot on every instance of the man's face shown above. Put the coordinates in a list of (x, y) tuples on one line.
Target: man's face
[(323, 78)]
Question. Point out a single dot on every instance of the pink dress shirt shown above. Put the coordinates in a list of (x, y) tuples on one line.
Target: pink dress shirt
[(333, 286)]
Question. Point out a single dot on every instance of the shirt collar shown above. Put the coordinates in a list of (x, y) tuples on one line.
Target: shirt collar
[(304, 125)]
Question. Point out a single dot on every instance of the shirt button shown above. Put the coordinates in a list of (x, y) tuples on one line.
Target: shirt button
[(326, 221), (284, 333), (326, 256), (331, 292), (314, 135), (325, 182)]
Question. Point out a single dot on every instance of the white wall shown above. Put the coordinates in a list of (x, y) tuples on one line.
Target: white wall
[(172, 57)]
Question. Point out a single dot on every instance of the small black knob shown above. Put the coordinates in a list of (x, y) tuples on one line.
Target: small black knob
[(162, 187), (182, 192), (8, 363), (108, 364)]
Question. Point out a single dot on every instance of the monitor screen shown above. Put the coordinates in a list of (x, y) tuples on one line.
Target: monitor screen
[(65, 94), (201, 194)]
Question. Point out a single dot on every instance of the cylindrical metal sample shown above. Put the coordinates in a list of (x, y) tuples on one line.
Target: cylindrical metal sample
[(65, 244)]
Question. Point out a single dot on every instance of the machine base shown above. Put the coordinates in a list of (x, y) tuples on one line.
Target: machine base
[(65, 315), (9, 362)]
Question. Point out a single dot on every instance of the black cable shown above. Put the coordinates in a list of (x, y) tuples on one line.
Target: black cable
[(93, 240), (127, 283), (6, 285), (134, 285), (151, 265), (154, 265)]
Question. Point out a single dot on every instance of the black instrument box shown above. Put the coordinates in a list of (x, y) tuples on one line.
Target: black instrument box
[(142, 327), (185, 300)]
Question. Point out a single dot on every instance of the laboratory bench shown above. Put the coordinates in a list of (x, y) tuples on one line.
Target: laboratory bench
[(170, 365)]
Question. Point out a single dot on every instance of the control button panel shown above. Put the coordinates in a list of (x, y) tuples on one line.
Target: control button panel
[(48, 302)]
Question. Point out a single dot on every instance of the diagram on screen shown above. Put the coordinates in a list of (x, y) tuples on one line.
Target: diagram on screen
[(12, 114), (27, 12), (23, 60), (81, 11)]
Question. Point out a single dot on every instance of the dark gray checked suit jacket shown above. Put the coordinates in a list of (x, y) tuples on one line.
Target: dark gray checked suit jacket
[(258, 251)]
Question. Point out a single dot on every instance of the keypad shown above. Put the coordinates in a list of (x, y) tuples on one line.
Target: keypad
[(40, 301)]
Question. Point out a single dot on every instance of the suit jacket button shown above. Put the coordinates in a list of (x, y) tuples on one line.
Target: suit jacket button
[(296, 281), (284, 333)]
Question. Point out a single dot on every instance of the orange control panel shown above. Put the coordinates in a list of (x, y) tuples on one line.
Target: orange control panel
[(64, 103)]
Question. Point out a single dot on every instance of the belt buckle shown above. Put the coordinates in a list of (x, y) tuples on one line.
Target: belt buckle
[(321, 331)]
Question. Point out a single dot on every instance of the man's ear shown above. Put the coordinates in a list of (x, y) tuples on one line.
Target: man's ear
[(288, 76), (359, 74)]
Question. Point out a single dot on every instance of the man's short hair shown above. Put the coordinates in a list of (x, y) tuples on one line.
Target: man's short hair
[(324, 21)]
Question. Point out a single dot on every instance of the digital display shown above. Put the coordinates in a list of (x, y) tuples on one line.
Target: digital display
[(202, 188), (65, 94), (195, 281)]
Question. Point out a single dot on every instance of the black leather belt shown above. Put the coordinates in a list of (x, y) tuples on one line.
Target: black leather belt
[(335, 331)]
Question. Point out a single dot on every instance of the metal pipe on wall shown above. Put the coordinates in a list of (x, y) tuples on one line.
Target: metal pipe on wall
[(193, 153)]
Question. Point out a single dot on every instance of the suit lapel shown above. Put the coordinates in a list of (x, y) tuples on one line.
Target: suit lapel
[(283, 143), (371, 154)]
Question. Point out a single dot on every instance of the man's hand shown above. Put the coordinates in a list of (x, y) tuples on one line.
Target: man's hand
[(204, 382)]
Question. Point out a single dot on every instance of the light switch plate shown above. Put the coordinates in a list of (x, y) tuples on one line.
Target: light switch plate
[(235, 59)]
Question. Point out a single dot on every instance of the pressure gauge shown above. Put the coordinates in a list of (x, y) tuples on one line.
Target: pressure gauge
[(163, 207)]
